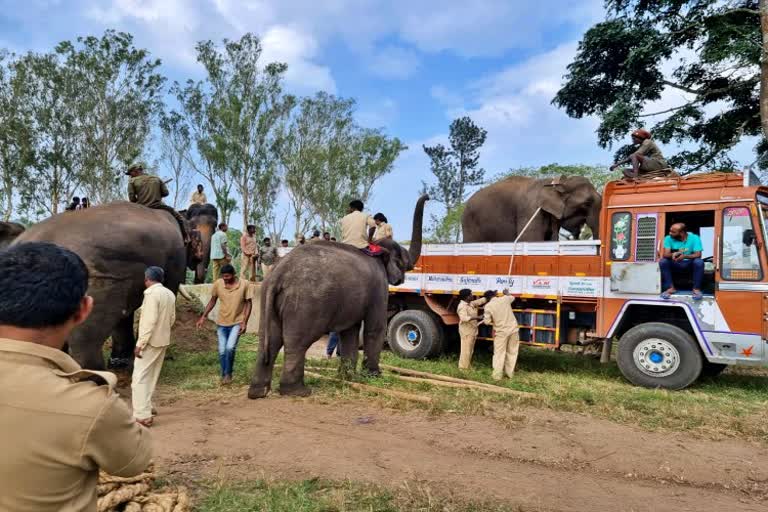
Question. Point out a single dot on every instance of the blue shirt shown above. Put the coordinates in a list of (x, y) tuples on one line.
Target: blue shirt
[(218, 238), (692, 244)]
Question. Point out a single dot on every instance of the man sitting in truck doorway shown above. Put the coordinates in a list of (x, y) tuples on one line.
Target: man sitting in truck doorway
[(682, 253)]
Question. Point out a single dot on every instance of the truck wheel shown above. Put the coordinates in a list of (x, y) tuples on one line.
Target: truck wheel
[(415, 334), (659, 355)]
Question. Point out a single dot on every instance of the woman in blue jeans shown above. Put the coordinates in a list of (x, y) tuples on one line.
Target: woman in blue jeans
[(234, 297)]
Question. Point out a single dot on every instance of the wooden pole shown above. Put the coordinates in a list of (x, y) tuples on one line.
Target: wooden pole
[(373, 389), (468, 383)]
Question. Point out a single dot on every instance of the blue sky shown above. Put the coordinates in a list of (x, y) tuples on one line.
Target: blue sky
[(412, 65)]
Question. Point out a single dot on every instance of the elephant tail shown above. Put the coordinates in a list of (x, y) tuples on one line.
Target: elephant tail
[(267, 312)]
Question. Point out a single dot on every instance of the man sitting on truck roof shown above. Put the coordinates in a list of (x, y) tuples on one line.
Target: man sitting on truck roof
[(682, 253), (647, 160)]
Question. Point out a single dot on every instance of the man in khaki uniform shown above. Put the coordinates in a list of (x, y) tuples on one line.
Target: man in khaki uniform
[(149, 191), (250, 253), (268, 257), (60, 424), (235, 301), (354, 226), (158, 313), (506, 339), (198, 196), (468, 318)]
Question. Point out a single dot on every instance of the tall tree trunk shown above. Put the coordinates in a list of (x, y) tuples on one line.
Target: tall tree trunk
[(764, 68)]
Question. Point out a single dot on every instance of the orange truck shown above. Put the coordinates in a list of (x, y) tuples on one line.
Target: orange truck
[(597, 291)]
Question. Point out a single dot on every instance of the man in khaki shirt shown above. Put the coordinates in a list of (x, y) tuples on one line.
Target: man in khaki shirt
[(149, 191), (158, 313), (60, 424), (468, 318), (250, 252), (198, 196), (506, 339), (354, 225), (235, 300)]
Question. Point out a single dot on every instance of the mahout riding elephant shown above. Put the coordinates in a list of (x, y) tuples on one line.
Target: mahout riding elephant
[(328, 287), (117, 242), (202, 218), (499, 212), (9, 231)]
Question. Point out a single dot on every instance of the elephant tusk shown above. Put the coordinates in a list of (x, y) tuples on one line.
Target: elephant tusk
[(185, 293)]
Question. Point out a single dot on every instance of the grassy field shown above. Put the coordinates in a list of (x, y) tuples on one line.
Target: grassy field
[(731, 405), (324, 496)]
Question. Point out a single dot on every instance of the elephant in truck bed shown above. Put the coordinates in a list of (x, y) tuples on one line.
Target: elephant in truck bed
[(499, 212)]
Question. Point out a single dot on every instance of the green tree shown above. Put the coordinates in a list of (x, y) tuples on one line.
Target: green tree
[(621, 67), (443, 229), (598, 175), (456, 167), (205, 158), (247, 107), (16, 132), (303, 151), (119, 98), (54, 97), (175, 142)]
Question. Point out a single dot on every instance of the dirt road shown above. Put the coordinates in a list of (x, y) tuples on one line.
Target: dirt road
[(538, 460)]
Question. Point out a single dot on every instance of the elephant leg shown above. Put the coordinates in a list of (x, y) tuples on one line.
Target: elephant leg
[(348, 349), (375, 327), (86, 342), (123, 344), (200, 273), (292, 378), (261, 382)]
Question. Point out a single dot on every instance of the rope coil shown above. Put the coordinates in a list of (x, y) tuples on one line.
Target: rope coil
[(134, 494)]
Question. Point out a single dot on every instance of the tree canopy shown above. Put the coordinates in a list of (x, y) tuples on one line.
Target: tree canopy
[(707, 51)]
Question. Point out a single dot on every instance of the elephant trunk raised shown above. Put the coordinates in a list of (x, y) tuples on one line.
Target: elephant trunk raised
[(593, 218), (414, 250)]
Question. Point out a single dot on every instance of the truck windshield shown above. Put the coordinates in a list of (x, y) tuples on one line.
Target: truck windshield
[(762, 199)]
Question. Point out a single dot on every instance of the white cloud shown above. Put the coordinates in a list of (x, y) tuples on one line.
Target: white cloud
[(297, 49), (378, 114), (446, 97), (394, 62)]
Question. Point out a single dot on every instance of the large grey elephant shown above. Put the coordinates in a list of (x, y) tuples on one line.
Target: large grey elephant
[(117, 242), (499, 212), (202, 218), (328, 287)]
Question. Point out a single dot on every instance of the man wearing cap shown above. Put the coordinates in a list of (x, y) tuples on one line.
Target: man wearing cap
[(646, 159), (149, 191), (158, 313)]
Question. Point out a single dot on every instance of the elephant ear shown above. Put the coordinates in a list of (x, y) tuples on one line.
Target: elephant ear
[(552, 199)]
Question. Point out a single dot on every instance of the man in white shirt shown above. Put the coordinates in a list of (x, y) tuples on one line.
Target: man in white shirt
[(158, 313), (354, 226)]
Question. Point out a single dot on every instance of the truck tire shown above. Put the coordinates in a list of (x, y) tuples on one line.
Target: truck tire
[(415, 334), (659, 355)]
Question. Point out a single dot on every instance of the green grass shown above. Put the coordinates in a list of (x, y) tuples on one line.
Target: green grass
[(326, 496), (731, 405)]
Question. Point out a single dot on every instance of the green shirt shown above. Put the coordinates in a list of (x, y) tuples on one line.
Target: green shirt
[(218, 238), (147, 190), (689, 246)]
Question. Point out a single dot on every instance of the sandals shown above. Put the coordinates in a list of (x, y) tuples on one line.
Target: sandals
[(145, 423), (697, 295), (666, 295)]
